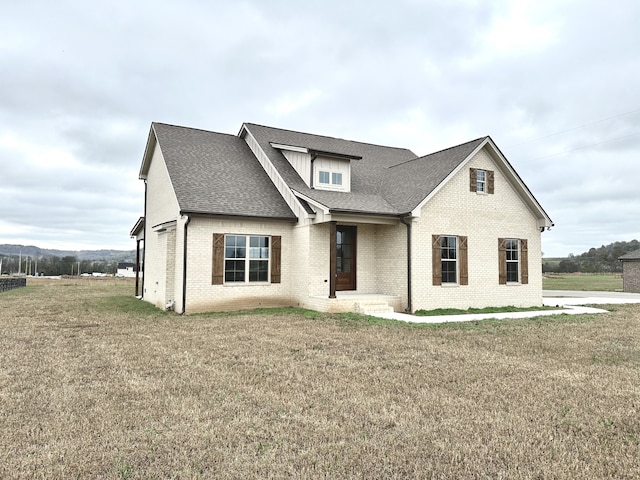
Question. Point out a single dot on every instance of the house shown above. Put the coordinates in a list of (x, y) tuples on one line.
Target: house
[(125, 269), (272, 217), (631, 271)]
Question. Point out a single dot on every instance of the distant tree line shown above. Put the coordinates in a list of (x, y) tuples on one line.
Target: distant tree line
[(597, 260), (53, 265)]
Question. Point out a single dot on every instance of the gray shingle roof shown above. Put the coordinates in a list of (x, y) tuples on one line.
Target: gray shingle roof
[(408, 183), (214, 173), (635, 255), (386, 180)]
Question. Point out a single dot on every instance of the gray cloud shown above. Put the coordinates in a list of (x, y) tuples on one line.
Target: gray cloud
[(552, 82)]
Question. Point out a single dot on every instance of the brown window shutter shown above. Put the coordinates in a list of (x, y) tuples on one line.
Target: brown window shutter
[(464, 262), (436, 260), (473, 179), (524, 262), (217, 276), (490, 181), (502, 261), (275, 258)]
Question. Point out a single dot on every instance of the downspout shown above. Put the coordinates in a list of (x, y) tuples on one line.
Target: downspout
[(408, 224), (184, 268), (144, 239), (313, 159)]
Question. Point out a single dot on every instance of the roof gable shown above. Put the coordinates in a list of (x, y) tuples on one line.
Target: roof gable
[(409, 183), (216, 174), (367, 172)]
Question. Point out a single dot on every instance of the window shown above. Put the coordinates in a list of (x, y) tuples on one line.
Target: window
[(327, 178), (242, 264), (449, 259), (512, 260), (481, 181), (513, 257), (245, 259)]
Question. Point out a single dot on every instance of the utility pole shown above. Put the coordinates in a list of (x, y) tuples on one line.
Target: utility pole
[(20, 262)]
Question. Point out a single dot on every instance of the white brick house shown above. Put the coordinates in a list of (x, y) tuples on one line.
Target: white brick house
[(274, 217)]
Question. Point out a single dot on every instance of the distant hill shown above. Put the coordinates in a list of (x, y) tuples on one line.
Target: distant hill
[(603, 259), (90, 255)]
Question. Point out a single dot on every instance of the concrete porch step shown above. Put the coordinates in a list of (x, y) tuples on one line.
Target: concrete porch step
[(368, 308)]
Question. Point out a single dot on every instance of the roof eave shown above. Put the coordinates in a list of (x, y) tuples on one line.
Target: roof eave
[(152, 140), (197, 213), (544, 219), (137, 228)]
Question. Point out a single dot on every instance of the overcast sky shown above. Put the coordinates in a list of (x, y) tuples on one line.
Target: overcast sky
[(555, 83)]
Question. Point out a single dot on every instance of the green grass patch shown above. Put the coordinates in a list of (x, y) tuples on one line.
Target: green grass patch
[(457, 311), (583, 282)]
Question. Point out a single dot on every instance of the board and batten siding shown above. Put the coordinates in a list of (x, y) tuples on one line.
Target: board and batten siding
[(334, 166), (302, 164)]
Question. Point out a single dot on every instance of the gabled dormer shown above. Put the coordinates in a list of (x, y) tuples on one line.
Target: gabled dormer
[(319, 169)]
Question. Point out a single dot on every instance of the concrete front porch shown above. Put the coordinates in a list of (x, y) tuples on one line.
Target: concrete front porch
[(365, 303)]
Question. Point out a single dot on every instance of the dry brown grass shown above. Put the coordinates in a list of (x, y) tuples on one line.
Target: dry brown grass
[(94, 384)]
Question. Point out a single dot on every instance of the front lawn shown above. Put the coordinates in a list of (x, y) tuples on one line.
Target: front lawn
[(96, 384)]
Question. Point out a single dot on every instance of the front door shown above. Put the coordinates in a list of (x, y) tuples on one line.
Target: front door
[(345, 257)]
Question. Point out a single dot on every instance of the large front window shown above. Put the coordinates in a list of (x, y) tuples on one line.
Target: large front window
[(449, 258), (246, 258), (513, 262)]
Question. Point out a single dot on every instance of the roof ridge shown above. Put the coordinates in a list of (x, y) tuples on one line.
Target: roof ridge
[(327, 137), (193, 128), (439, 151)]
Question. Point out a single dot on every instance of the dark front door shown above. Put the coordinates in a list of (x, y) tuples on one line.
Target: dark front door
[(345, 257)]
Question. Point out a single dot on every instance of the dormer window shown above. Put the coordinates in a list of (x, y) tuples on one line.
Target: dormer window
[(331, 174), (320, 169), (329, 179)]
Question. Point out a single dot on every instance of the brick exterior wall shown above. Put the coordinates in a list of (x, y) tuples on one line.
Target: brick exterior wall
[(483, 218), (202, 295), (381, 252), (381, 266), (162, 207), (631, 276)]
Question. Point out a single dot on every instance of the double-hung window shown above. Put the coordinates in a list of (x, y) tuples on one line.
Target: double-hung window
[(513, 260), (513, 256), (481, 181), (246, 258), (450, 264), (449, 259)]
